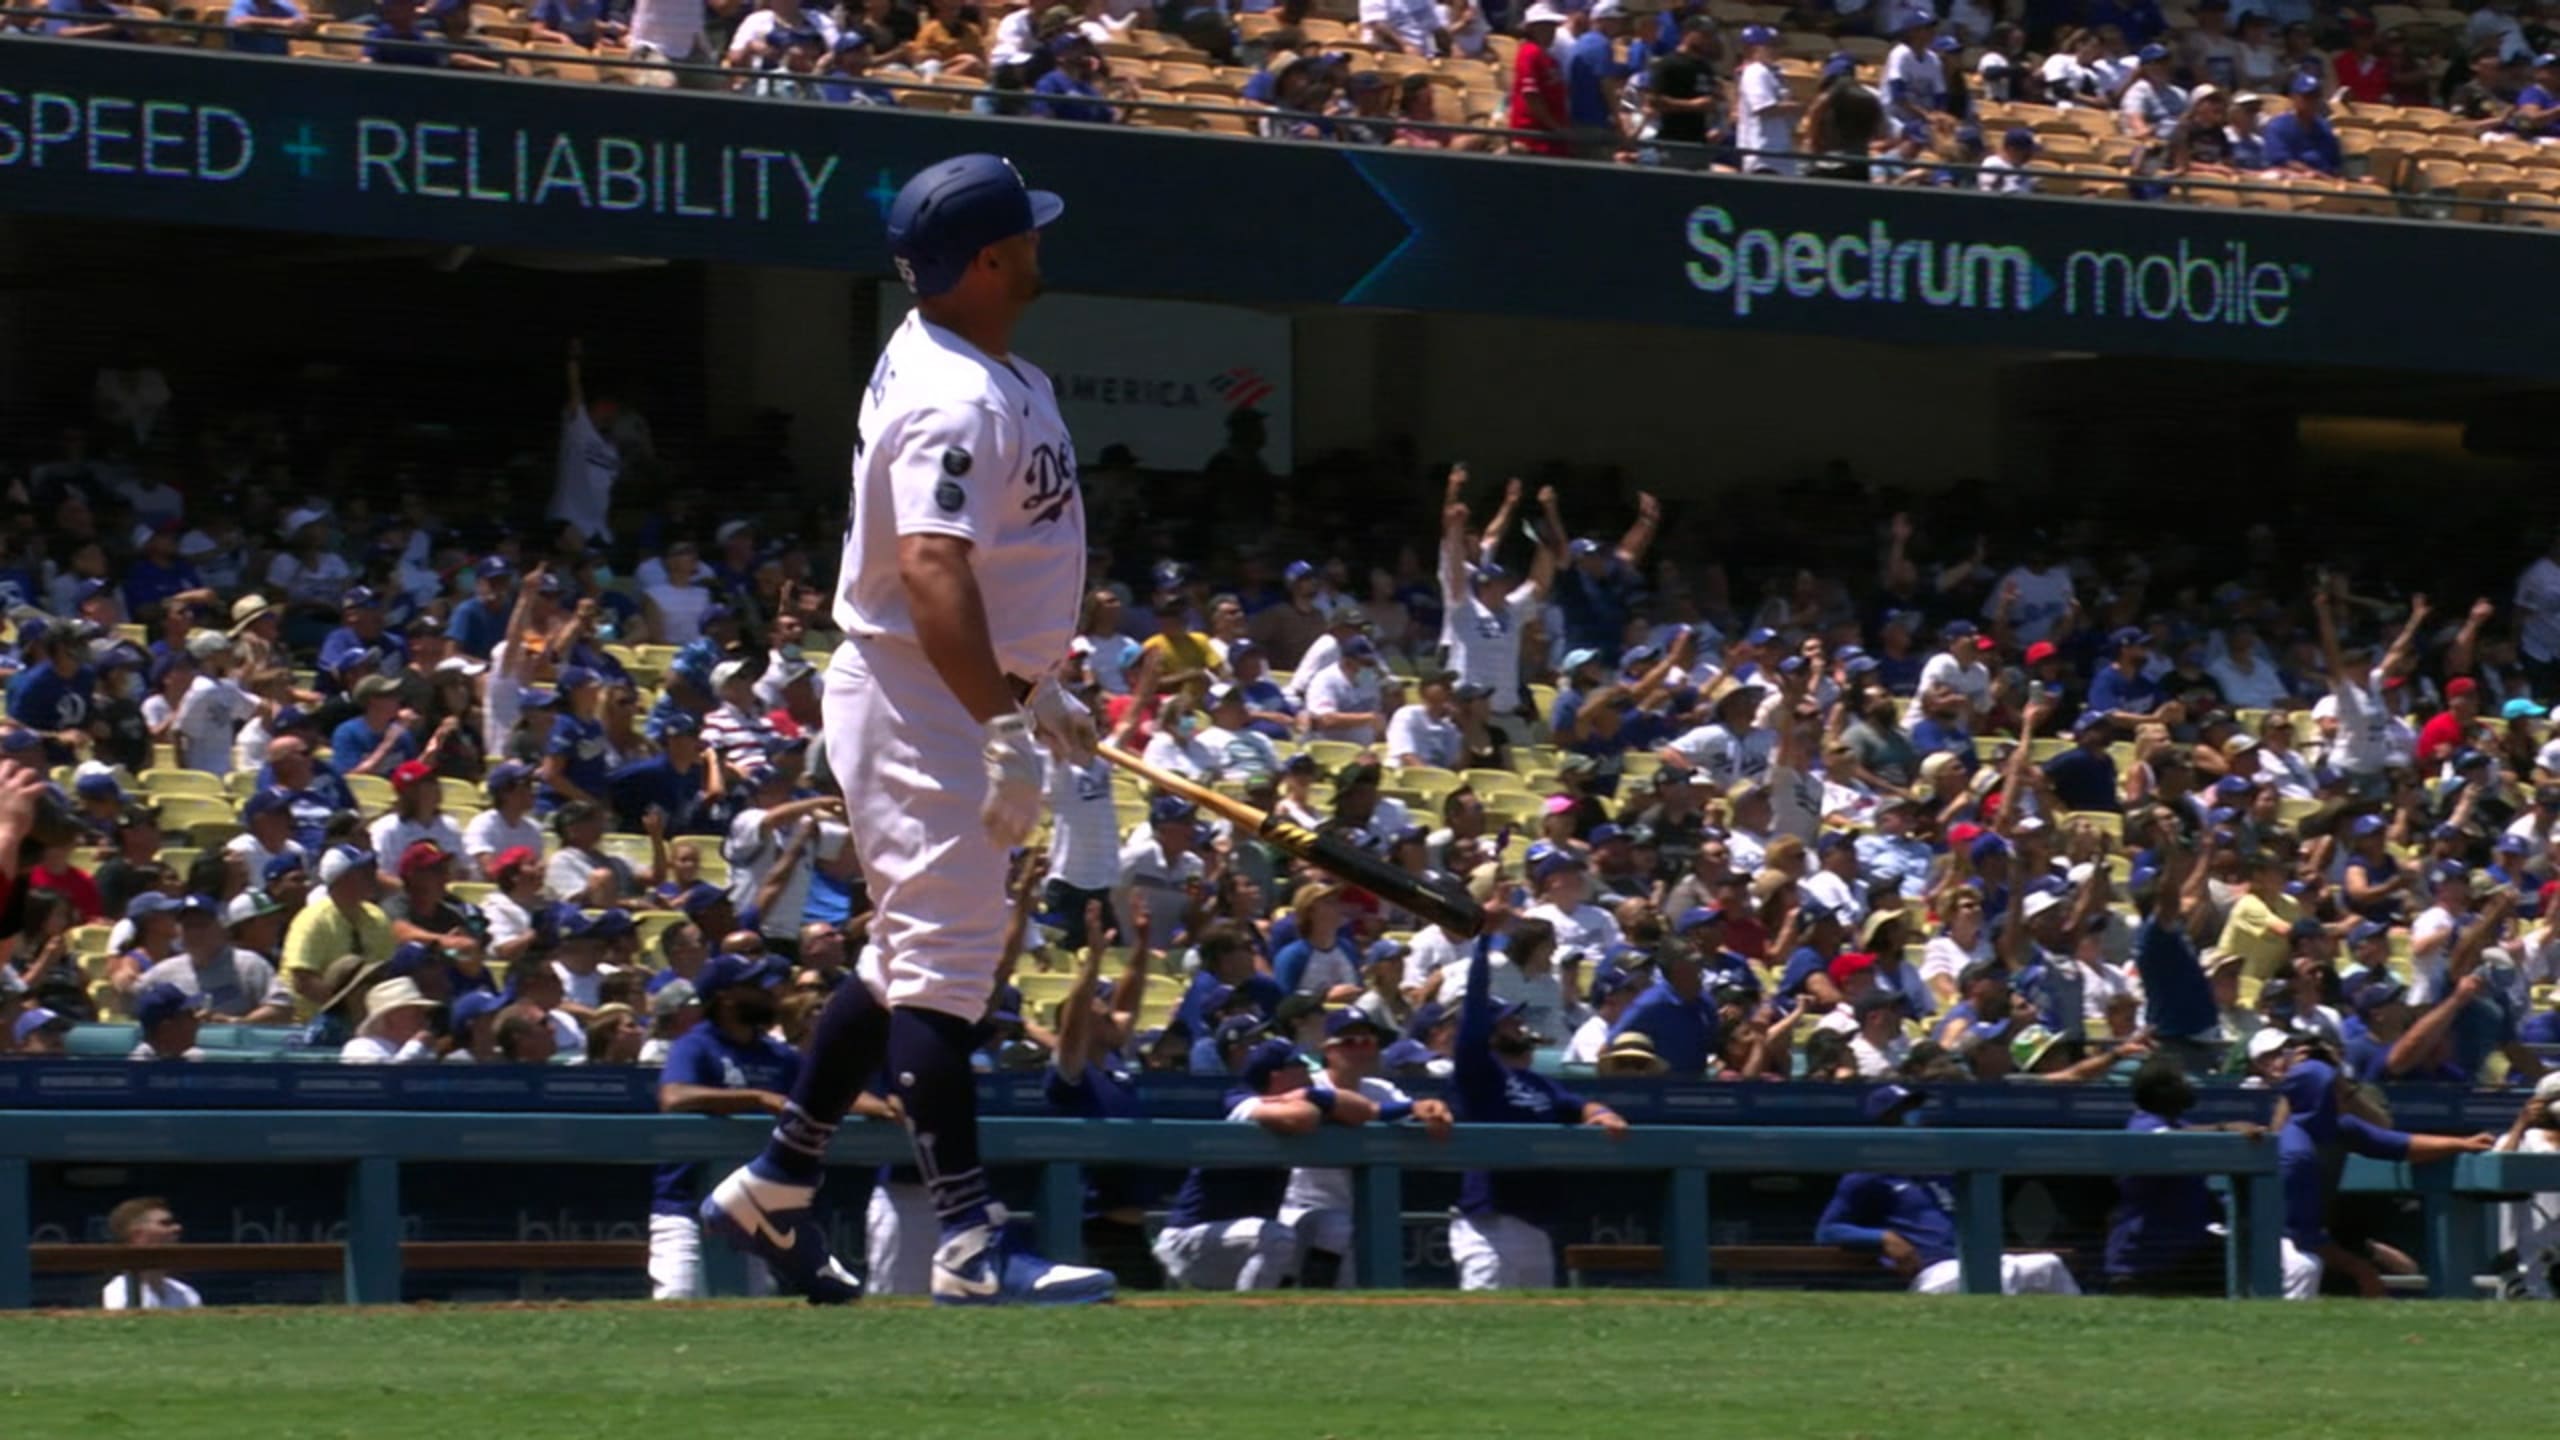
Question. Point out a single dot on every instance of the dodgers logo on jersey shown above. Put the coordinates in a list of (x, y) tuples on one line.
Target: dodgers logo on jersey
[(1052, 480)]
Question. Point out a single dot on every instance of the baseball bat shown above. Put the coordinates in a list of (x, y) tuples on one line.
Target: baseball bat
[(1451, 908)]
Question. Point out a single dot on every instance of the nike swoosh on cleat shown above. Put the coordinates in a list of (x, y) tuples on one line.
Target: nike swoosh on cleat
[(955, 1280), (762, 1228)]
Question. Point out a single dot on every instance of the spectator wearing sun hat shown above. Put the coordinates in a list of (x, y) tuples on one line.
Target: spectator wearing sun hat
[(395, 1027)]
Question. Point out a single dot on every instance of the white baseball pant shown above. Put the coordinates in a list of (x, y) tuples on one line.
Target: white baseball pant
[(1248, 1254), (899, 1233), (1326, 1229), (1501, 1252), (2302, 1272), (675, 1261), (907, 758), (2019, 1275)]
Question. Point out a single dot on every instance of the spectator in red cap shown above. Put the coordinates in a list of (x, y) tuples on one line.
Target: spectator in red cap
[(510, 911), (426, 911), (417, 816), (2455, 727)]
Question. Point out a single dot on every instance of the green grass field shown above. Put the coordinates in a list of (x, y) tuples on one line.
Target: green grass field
[(1628, 1366)]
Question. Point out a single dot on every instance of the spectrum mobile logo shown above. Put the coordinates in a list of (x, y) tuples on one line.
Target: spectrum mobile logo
[(2186, 284)]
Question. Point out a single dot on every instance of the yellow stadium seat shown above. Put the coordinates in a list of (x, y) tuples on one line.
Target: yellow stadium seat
[(182, 782), (90, 941), (372, 792), (180, 812)]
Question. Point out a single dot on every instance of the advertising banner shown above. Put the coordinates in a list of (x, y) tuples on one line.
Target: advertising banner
[(1161, 377), (163, 134)]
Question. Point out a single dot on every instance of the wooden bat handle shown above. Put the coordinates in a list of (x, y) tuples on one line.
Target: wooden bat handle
[(1189, 789)]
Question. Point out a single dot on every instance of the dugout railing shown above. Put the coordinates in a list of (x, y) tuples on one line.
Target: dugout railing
[(374, 1148)]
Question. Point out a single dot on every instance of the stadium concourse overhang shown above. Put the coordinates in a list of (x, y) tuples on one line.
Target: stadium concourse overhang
[(1690, 331)]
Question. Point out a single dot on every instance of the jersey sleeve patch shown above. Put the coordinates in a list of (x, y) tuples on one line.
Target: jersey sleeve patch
[(949, 462)]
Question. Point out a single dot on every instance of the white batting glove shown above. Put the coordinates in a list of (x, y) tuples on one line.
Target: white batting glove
[(1012, 805), (1063, 722)]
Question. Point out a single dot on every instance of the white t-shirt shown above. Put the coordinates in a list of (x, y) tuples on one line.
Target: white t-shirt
[(680, 607), (163, 1293), (1586, 928), (1588, 1041), (1795, 808), (1320, 655), (490, 833), (2101, 982), (210, 715), (758, 27), (2042, 600), (2255, 686), (319, 582), (2001, 177), (2066, 78), (1412, 731), (507, 919), (2158, 105), (752, 852), (1413, 23), (1725, 759), (1876, 1061), (392, 837), (2364, 727), (1335, 693), (1015, 38), (1968, 678), (1084, 840), (374, 1050), (583, 476), (1193, 758), (1431, 951), (255, 858), (1143, 866), (1942, 956), (1247, 754), (1484, 642), (955, 443), (1764, 119), (1916, 78)]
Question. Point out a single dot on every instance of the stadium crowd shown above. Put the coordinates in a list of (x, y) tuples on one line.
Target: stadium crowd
[(289, 774), (2012, 97)]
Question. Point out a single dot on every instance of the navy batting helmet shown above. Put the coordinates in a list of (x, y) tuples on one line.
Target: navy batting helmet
[(952, 210)]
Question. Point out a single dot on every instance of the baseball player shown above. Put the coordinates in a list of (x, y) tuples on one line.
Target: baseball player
[(1317, 1204), (964, 563), (1223, 1230), (1909, 1220), (1499, 1236)]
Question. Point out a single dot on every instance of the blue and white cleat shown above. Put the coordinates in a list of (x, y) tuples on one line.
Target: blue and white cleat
[(984, 1265), (774, 1223)]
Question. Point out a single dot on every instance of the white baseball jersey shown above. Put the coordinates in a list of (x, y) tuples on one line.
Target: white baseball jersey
[(1484, 643), (955, 442), (1084, 844)]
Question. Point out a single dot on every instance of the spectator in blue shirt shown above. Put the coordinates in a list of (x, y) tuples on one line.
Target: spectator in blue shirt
[(2084, 776), (157, 576), (363, 645), (671, 783), (264, 27), (2122, 690), (840, 81), (1069, 89), (398, 39), (378, 738), (480, 622), (582, 23), (1675, 1012), (52, 696), (1592, 73), (2300, 139), (84, 20), (575, 765), (1597, 590)]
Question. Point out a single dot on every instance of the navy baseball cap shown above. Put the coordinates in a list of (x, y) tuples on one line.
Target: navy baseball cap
[(1955, 628), (2378, 993), (1347, 1019), (471, 1006), (1171, 810), (2364, 825), (700, 898), (506, 775), (409, 958), (162, 1001), (150, 902), (1887, 1104), (1696, 917), (2366, 930), (952, 210), (722, 971), (1759, 35), (574, 676), (2305, 83)]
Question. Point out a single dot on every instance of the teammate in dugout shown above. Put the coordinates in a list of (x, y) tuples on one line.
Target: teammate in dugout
[(964, 563)]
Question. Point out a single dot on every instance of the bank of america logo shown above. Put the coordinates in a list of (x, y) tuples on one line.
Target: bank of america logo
[(1242, 387)]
